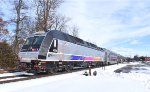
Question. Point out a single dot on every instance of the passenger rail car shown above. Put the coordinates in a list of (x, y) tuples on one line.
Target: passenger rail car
[(55, 50)]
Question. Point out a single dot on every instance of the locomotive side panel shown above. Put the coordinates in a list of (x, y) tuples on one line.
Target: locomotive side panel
[(73, 52)]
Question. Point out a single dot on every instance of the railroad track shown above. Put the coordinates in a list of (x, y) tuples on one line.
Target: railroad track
[(10, 79)]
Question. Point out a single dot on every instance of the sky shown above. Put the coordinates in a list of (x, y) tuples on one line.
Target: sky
[(122, 26)]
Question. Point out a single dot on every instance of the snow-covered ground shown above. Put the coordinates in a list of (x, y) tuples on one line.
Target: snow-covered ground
[(105, 81)]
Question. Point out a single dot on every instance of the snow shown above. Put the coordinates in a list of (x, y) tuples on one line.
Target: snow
[(14, 74), (11, 78), (105, 81)]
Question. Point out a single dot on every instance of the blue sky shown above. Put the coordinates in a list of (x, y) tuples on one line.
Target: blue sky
[(119, 25)]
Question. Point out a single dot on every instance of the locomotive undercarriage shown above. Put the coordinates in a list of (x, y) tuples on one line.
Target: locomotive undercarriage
[(54, 66)]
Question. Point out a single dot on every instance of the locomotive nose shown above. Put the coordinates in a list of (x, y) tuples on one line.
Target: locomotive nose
[(28, 56)]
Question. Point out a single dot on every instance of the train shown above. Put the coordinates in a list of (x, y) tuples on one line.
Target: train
[(55, 50)]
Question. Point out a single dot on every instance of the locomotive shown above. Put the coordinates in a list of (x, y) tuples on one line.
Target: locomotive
[(54, 50)]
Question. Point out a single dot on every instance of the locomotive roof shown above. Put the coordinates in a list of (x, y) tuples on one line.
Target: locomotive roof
[(66, 37), (41, 33)]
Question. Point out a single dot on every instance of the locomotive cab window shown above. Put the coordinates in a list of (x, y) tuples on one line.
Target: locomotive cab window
[(32, 43), (54, 46)]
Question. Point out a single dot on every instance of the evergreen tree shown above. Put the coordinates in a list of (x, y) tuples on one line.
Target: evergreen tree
[(7, 57)]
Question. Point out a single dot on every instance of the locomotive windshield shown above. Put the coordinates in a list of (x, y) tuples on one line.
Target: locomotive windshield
[(32, 43)]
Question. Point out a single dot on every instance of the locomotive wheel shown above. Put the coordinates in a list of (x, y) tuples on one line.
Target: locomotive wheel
[(68, 68), (52, 70)]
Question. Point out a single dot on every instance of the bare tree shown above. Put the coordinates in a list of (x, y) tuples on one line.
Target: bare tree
[(60, 23), (75, 30), (20, 19), (45, 11), (19, 7), (4, 33), (27, 27)]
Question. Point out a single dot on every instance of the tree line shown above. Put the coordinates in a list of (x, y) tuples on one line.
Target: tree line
[(138, 58)]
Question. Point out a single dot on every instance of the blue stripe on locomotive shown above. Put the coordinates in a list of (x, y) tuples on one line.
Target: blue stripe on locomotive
[(76, 57)]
